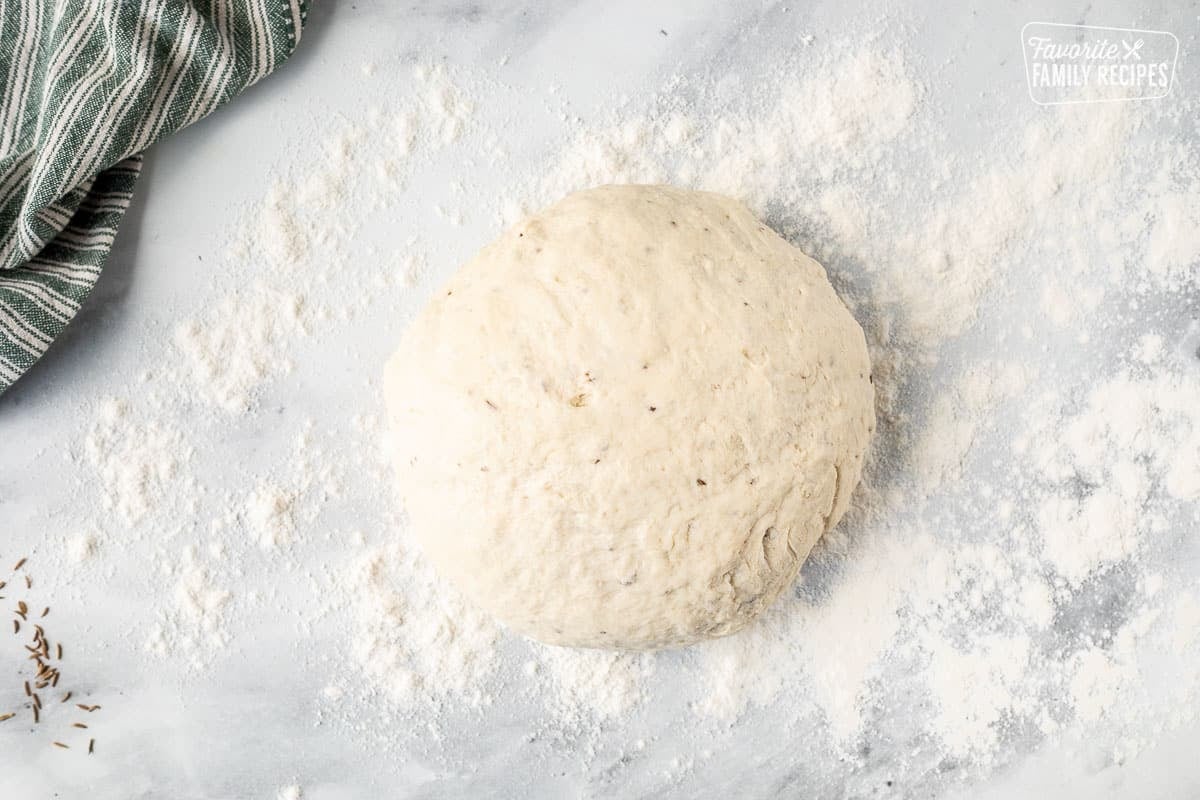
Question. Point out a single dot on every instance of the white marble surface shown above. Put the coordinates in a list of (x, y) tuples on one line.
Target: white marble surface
[(248, 722)]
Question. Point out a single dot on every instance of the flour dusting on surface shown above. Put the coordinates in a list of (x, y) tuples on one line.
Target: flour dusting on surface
[(1008, 579)]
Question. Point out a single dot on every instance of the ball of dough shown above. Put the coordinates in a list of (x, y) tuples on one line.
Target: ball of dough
[(627, 421)]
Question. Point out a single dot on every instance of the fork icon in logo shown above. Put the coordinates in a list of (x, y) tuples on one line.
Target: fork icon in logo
[(1131, 50)]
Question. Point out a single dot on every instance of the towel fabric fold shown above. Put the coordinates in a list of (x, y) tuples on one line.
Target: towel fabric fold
[(85, 87)]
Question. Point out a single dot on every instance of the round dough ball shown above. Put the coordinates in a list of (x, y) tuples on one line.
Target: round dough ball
[(627, 421)]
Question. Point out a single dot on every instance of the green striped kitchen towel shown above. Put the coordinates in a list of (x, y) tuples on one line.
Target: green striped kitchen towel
[(86, 86)]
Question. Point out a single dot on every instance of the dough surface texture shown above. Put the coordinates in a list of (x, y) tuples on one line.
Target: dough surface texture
[(627, 421)]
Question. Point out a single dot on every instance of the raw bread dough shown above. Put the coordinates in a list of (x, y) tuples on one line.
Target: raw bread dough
[(627, 421)]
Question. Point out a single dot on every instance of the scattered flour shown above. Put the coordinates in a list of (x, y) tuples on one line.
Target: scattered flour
[(240, 342), (296, 243), (136, 461), (270, 517), (974, 689), (195, 627), (592, 683), (1102, 462), (82, 547), (1096, 683), (414, 636)]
